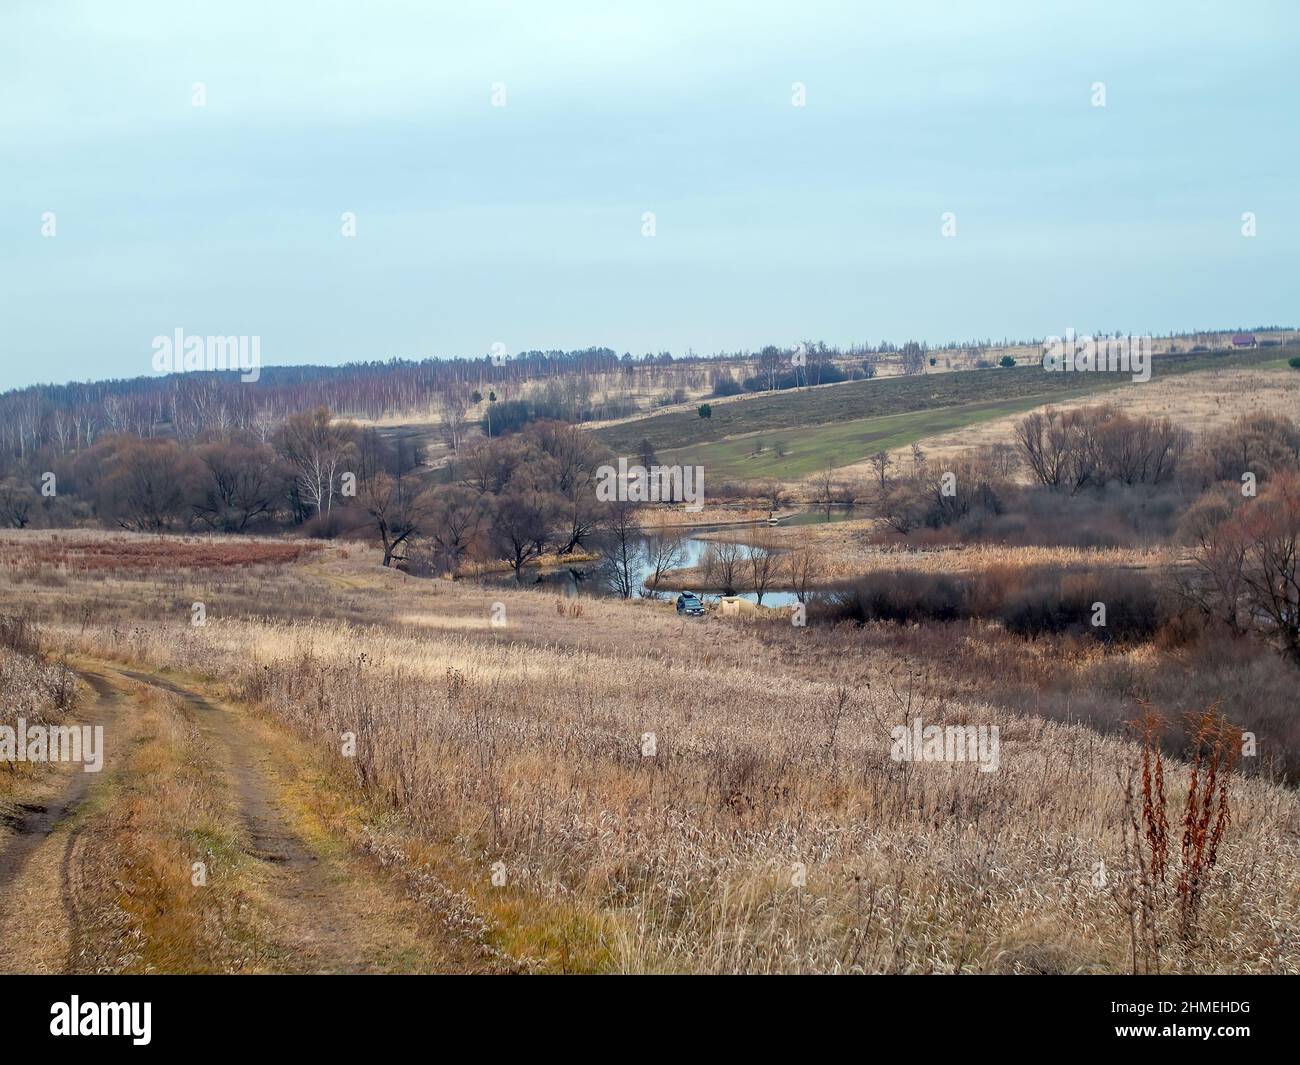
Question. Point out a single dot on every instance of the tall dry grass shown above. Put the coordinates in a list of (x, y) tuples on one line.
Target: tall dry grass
[(686, 861), (524, 745), (35, 689)]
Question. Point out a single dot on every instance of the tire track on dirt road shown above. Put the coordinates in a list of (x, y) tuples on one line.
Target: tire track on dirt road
[(39, 922), (331, 912)]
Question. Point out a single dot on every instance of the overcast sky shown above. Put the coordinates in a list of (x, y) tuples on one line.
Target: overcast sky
[(522, 224)]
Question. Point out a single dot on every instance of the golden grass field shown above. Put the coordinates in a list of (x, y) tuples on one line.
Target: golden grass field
[(843, 551), (522, 744)]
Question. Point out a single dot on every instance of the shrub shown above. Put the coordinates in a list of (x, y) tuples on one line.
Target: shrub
[(904, 597), (1050, 601), (1060, 603), (18, 632)]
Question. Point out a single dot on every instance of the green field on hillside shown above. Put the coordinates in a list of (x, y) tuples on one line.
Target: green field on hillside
[(792, 453), (857, 401), (834, 422)]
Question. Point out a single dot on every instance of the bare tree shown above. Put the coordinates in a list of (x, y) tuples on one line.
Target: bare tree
[(149, 484), (1260, 443), (1270, 531), (774, 495), (523, 526), (453, 411), (1218, 554), (1093, 445), (645, 454), (763, 567), (622, 550), (1248, 554), (824, 491), (1004, 459), (664, 551), (317, 450), (396, 507), (1044, 444), (802, 570), (457, 515), (902, 505), (880, 463), (913, 357), (722, 565), (115, 414), (240, 483), (262, 424)]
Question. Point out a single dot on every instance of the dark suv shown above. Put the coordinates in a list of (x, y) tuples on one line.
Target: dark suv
[(688, 603)]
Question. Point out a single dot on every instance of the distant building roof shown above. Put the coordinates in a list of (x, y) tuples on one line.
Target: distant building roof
[(1243, 338)]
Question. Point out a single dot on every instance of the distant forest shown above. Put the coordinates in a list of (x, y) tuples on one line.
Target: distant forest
[(572, 386)]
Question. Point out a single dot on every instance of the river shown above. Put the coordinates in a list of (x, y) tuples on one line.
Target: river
[(592, 579)]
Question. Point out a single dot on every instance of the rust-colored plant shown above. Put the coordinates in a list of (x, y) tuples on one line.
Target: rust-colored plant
[(1215, 745), (1154, 819), (1144, 897), (1211, 755)]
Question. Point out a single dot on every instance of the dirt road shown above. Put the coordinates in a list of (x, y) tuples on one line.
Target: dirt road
[(327, 909), (41, 883)]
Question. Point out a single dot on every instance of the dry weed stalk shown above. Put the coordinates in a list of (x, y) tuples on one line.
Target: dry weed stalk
[(1214, 748), (1206, 815)]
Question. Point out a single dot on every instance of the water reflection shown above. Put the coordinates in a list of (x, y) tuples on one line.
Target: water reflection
[(598, 578)]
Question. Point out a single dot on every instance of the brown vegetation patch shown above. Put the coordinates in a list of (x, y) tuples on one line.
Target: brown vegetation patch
[(138, 554)]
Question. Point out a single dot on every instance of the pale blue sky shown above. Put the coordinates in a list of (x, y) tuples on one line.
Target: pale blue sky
[(522, 224)]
